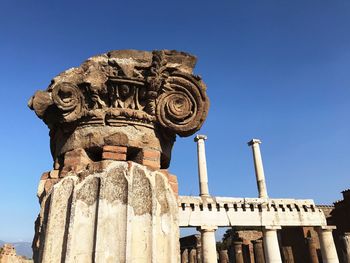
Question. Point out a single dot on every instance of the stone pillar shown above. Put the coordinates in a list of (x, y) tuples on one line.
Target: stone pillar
[(208, 244), (237, 248), (346, 247), (259, 169), (202, 165), (328, 250), (287, 254), (312, 250), (184, 256), (193, 256), (223, 256), (258, 251), (271, 246)]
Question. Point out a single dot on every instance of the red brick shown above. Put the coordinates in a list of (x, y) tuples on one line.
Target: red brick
[(114, 156), (151, 154), (151, 164), (115, 149)]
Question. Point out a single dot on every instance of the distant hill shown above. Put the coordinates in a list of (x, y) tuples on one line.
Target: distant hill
[(22, 248)]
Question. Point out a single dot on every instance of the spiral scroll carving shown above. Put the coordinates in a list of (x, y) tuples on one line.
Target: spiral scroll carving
[(69, 99), (183, 108)]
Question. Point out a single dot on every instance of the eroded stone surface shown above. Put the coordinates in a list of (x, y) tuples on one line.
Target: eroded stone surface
[(137, 99), (124, 213)]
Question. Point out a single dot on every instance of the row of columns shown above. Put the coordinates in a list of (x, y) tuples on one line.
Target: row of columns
[(271, 246)]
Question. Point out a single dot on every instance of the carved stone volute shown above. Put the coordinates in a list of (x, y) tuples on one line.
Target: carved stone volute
[(147, 96)]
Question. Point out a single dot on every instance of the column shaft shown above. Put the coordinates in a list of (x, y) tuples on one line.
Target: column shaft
[(259, 169), (328, 250), (312, 250), (346, 245), (271, 246), (202, 166), (237, 246), (223, 256), (258, 251), (208, 245)]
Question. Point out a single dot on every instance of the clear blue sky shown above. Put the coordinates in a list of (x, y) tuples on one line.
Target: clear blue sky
[(275, 70)]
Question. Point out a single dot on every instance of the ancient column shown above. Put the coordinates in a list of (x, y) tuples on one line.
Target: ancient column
[(184, 256), (271, 246), (202, 165), (208, 244), (312, 249), (258, 251), (193, 256), (328, 250), (113, 122), (237, 246), (346, 244), (259, 169), (223, 256)]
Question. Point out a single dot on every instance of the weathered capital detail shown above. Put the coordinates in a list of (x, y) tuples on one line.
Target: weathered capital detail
[(155, 92)]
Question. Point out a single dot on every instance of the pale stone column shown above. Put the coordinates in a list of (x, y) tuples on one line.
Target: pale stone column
[(271, 246), (208, 244), (328, 250), (312, 250), (259, 169), (258, 251), (346, 244), (202, 165)]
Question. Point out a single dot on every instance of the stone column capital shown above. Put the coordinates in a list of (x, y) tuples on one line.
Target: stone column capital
[(200, 137), (327, 228), (207, 228), (254, 141)]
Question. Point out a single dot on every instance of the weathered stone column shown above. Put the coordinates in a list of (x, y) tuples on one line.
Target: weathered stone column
[(202, 165), (113, 123), (237, 246), (346, 244), (259, 169), (184, 256), (312, 250), (271, 246), (223, 256), (328, 250), (193, 256), (258, 251), (208, 244)]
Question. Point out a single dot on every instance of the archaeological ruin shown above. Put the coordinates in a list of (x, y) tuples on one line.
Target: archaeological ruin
[(110, 198)]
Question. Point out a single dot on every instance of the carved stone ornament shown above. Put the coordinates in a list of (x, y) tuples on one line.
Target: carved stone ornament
[(137, 99)]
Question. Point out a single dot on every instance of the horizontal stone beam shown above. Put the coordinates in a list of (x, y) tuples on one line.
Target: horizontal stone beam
[(228, 211)]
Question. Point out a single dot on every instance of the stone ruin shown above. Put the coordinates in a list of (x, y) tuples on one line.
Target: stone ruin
[(113, 122), (109, 197)]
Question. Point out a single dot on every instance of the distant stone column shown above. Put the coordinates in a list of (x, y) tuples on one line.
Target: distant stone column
[(193, 256), (202, 165), (184, 256), (258, 251), (208, 244), (287, 254), (312, 249), (237, 248), (271, 246), (328, 250), (223, 256), (346, 244), (259, 169)]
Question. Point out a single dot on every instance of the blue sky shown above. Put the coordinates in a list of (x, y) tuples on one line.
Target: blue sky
[(275, 70)]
